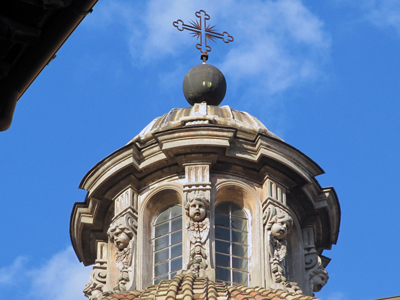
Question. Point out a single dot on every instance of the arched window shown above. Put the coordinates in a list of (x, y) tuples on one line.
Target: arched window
[(231, 244), (167, 244)]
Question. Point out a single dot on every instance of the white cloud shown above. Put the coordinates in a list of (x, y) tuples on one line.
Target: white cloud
[(10, 274), (283, 44), (384, 13), (62, 277), (278, 44)]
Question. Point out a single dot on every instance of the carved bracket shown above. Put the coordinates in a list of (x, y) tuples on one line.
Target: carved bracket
[(198, 190), (272, 208), (314, 264), (278, 222), (198, 226), (122, 233), (98, 277)]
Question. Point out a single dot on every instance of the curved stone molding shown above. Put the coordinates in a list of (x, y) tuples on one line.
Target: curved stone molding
[(109, 167), (206, 155), (204, 114), (83, 214), (148, 195), (158, 160), (247, 187)]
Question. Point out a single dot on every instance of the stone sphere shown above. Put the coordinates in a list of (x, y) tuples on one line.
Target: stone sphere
[(204, 83)]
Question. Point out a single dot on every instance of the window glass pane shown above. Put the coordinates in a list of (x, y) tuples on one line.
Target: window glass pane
[(176, 224), (222, 247), (176, 237), (237, 211), (176, 250), (173, 274), (223, 208), (234, 247), (223, 274), (161, 255), (222, 233), (176, 211), (161, 242), (221, 220), (167, 255), (223, 260), (161, 229), (240, 224), (239, 237), (161, 269), (239, 277), (239, 250), (163, 217), (240, 263), (159, 279), (176, 263)]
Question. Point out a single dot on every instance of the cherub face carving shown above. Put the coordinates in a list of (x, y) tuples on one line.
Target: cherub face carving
[(279, 225), (120, 235), (197, 210), (279, 229), (121, 240)]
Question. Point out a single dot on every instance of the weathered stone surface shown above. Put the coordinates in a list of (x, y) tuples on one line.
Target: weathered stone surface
[(208, 155)]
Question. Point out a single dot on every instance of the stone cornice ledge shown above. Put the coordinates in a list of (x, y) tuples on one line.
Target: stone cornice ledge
[(107, 167)]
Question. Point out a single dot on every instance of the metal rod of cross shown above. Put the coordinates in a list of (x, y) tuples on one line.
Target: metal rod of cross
[(203, 32)]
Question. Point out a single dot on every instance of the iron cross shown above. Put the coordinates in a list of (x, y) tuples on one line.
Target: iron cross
[(204, 32)]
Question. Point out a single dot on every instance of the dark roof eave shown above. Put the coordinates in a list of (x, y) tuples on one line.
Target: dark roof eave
[(38, 56)]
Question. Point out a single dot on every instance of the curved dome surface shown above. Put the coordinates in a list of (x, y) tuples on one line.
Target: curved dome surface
[(203, 114)]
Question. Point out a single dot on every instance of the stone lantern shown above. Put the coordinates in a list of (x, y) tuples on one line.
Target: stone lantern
[(205, 197)]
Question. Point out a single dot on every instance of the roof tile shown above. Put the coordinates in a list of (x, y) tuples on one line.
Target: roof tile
[(190, 287)]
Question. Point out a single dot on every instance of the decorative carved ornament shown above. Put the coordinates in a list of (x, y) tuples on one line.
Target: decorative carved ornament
[(315, 270), (198, 226), (98, 277), (122, 233), (278, 222)]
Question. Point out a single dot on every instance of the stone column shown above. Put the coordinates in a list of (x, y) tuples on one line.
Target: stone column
[(122, 235), (197, 191), (277, 224)]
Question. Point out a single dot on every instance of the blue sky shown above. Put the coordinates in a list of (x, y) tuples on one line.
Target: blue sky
[(322, 75)]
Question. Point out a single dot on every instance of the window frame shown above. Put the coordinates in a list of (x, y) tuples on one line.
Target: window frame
[(170, 273), (231, 242)]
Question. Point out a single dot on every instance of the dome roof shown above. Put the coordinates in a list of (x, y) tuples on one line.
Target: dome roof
[(189, 286), (247, 125)]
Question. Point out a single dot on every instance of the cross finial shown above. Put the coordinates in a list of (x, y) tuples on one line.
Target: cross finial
[(204, 32)]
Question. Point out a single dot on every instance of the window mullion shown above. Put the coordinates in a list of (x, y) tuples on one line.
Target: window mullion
[(167, 238)]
